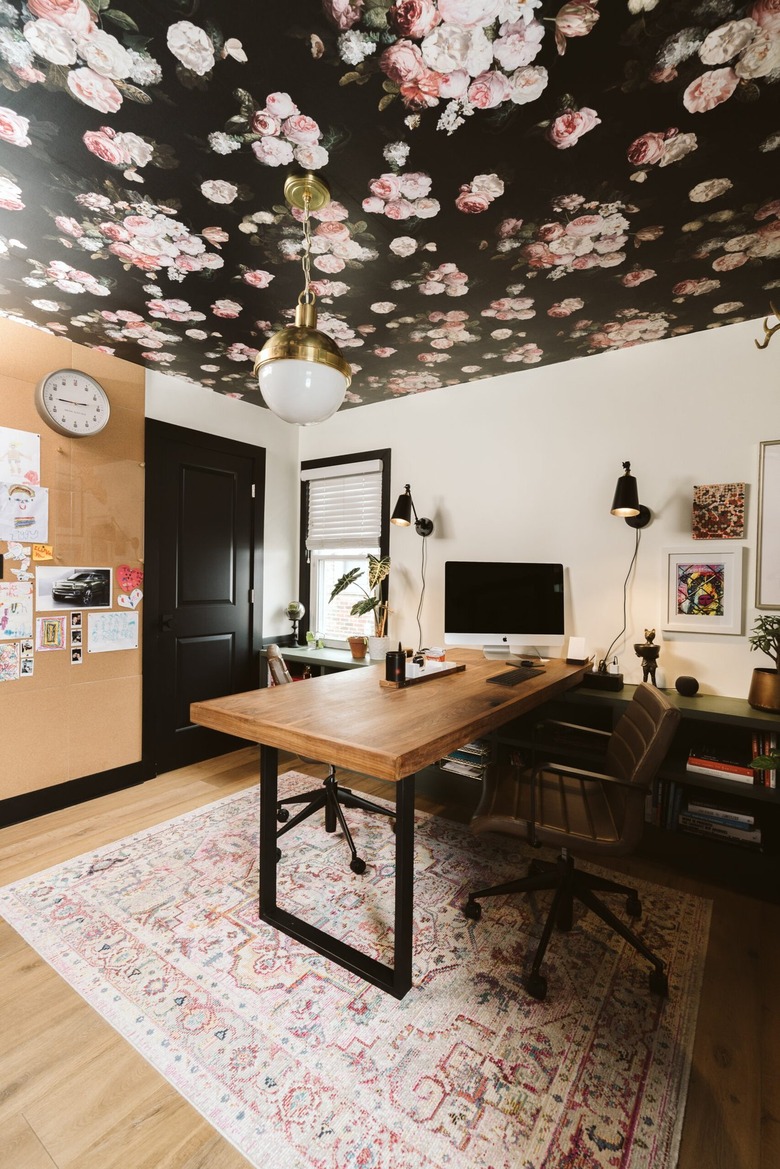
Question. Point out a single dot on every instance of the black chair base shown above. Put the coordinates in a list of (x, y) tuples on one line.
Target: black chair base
[(569, 883), (332, 797)]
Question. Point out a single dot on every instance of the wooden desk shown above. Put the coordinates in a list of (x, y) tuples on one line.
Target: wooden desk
[(349, 720)]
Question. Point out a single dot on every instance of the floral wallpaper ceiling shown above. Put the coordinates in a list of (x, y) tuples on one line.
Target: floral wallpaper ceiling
[(514, 182)]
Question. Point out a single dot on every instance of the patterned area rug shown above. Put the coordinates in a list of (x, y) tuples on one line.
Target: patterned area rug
[(303, 1066)]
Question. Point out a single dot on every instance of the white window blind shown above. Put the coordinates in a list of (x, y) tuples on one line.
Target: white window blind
[(345, 505)]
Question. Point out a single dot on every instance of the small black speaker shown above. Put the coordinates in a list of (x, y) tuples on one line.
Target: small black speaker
[(686, 685)]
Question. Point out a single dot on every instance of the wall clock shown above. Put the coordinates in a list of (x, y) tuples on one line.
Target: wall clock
[(72, 403)]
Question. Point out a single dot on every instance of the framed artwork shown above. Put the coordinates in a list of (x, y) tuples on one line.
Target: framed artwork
[(768, 539), (703, 593), (718, 511)]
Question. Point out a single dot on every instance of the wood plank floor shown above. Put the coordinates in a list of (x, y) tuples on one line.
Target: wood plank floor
[(74, 1095)]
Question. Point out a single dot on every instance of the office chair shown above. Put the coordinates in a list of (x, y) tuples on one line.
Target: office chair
[(330, 795), (584, 812)]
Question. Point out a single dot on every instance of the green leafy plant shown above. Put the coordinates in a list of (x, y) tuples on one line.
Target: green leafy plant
[(766, 636), (371, 601)]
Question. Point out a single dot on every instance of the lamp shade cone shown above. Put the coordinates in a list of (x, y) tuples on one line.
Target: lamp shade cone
[(402, 515), (626, 500)]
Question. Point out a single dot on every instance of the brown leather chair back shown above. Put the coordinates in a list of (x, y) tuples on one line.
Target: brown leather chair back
[(642, 736)]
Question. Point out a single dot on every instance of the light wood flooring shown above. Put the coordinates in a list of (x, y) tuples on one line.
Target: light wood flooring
[(74, 1095)]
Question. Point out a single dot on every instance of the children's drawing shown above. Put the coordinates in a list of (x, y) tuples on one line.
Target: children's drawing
[(16, 610), (20, 456), (24, 512), (50, 633), (107, 632), (9, 662)]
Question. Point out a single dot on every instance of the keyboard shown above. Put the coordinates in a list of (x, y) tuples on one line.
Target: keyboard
[(512, 677)]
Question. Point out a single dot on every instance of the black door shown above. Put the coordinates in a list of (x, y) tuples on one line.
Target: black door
[(202, 598)]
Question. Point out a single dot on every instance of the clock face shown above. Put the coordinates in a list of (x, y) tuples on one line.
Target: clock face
[(72, 403)]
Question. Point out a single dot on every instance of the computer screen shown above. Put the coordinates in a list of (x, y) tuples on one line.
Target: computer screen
[(503, 605)]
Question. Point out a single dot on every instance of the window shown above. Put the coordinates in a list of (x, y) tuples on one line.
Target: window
[(344, 517)]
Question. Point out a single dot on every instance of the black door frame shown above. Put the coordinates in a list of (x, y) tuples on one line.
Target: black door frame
[(156, 434)]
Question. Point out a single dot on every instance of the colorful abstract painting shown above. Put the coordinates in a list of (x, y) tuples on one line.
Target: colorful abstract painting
[(704, 596), (719, 511), (700, 589)]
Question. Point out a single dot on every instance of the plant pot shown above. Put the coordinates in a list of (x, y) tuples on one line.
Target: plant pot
[(764, 693), (377, 648), (357, 647)]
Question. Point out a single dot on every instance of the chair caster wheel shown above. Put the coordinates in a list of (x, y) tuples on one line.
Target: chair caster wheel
[(278, 854), (659, 983), (536, 985), (472, 910), (633, 907), (357, 865), (282, 815)]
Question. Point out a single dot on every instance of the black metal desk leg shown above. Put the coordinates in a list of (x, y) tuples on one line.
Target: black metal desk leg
[(269, 762), (404, 886)]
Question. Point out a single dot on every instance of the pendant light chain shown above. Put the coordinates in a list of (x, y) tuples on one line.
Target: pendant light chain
[(306, 257)]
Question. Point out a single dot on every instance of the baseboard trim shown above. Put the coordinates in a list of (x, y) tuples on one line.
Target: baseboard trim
[(29, 805)]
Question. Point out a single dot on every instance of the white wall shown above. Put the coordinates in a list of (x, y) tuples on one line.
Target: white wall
[(524, 466), (170, 399)]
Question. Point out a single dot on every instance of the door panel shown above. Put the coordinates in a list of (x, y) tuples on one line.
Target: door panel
[(203, 558)]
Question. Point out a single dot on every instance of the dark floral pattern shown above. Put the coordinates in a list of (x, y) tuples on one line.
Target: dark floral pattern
[(514, 182)]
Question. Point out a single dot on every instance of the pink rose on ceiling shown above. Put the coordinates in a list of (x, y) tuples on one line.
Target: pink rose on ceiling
[(258, 278), (638, 276), (710, 90), (74, 15), (50, 41), (469, 13), (567, 129), (105, 55), (343, 13), (281, 105), (266, 124), (453, 85), (527, 84), (226, 308), (10, 195), (413, 18), (332, 231), (191, 46), (761, 57), (13, 128), (564, 308), (646, 149), (518, 44), (299, 128), (102, 143), (450, 48), (385, 187), (273, 151), (398, 209), (402, 62), (95, 91), (472, 202), (576, 19), (489, 90), (415, 184), (725, 42), (729, 262), (766, 13), (421, 92)]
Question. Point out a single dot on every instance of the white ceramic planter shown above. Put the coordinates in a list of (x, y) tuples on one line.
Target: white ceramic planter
[(377, 648)]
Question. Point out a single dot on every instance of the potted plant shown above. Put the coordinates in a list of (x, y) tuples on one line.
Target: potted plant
[(371, 601), (358, 646), (764, 693)]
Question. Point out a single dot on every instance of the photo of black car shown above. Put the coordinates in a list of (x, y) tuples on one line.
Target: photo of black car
[(85, 587)]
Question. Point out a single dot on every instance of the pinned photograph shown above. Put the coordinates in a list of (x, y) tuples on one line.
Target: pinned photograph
[(73, 588)]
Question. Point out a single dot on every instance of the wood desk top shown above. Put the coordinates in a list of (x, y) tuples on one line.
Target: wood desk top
[(349, 720)]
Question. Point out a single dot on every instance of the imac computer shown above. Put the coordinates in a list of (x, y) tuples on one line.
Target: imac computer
[(503, 608)]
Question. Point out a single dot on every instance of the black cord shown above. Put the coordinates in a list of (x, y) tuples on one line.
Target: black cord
[(423, 559), (603, 662)]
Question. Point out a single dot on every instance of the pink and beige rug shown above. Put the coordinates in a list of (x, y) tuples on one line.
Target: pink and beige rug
[(303, 1066)]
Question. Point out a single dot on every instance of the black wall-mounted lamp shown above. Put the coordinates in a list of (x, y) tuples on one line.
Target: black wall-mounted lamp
[(405, 509), (626, 502)]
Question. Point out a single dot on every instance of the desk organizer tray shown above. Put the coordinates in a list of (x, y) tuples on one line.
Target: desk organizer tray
[(432, 670)]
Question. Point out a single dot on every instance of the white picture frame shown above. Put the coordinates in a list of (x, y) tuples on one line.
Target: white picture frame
[(768, 534), (703, 589)]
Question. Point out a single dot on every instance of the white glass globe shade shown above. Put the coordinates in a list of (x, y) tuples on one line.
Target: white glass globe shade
[(303, 392)]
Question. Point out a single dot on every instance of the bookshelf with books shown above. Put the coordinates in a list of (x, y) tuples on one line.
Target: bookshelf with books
[(709, 813)]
